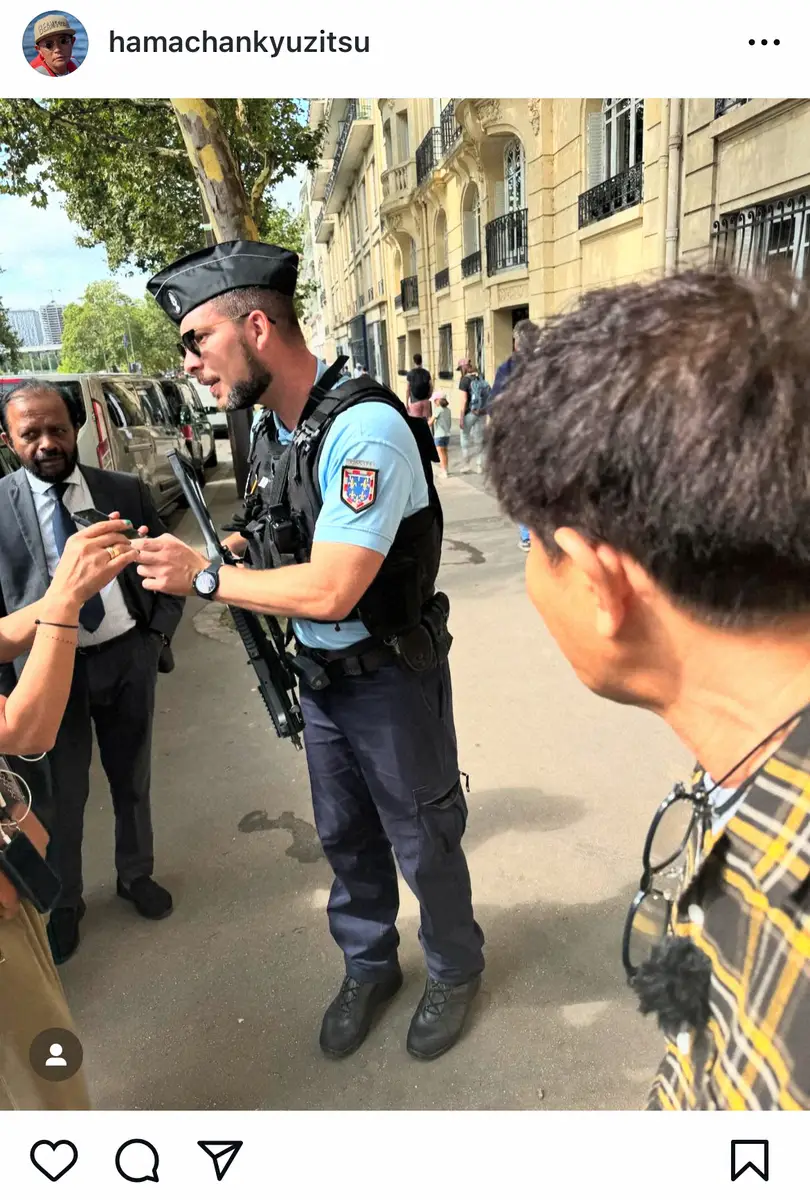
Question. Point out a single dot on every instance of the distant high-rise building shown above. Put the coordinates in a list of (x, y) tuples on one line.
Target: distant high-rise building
[(52, 316), (26, 324)]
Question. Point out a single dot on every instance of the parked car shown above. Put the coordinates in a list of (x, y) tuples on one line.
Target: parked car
[(191, 418), (219, 420), (125, 424), (9, 462)]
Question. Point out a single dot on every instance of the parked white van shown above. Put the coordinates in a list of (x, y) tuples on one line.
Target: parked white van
[(125, 424)]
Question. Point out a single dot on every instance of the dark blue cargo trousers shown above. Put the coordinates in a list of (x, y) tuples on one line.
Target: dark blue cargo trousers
[(381, 750)]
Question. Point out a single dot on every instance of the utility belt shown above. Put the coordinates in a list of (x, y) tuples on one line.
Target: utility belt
[(425, 646)]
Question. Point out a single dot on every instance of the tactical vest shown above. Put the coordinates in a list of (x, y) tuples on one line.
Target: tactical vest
[(283, 501)]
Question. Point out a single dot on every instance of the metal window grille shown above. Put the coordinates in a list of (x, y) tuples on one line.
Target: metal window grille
[(445, 352), (428, 155), (721, 107), (471, 265), (410, 292), (442, 279), (450, 129), (507, 241), (768, 235), (614, 195)]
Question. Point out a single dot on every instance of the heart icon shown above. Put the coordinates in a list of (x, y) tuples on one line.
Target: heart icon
[(54, 1159)]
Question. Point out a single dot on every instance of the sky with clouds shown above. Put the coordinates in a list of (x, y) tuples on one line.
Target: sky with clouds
[(40, 260)]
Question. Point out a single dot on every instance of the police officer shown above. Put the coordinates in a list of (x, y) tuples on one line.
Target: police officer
[(343, 506)]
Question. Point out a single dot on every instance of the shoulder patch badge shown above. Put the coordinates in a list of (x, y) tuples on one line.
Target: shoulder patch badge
[(358, 488)]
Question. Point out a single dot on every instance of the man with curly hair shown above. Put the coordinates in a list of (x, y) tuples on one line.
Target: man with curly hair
[(656, 442)]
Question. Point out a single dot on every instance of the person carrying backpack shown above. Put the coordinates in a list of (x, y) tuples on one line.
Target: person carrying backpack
[(473, 416)]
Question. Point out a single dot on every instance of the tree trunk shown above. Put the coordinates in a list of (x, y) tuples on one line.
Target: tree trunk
[(214, 165), (228, 210)]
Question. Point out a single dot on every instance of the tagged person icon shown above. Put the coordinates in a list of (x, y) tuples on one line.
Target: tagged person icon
[(56, 1059)]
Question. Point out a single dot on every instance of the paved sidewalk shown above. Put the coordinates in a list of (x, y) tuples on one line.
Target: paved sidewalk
[(220, 1005)]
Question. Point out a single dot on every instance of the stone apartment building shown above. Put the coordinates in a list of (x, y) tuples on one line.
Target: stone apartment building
[(436, 225)]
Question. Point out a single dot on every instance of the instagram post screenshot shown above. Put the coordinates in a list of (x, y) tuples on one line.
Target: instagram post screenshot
[(404, 599)]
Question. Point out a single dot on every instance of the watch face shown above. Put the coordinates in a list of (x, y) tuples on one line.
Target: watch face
[(206, 583)]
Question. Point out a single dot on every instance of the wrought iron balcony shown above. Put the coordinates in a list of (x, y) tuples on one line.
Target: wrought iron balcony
[(721, 107), (410, 292), (442, 279), (356, 110), (768, 236), (612, 196), (451, 131), (471, 265), (428, 155), (507, 241)]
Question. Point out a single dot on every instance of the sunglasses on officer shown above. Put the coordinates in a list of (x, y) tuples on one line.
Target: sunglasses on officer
[(191, 341)]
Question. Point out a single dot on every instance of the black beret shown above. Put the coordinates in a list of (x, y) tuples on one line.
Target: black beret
[(201, 276)]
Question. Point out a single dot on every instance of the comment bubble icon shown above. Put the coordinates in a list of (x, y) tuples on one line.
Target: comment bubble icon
[(137, 1161)]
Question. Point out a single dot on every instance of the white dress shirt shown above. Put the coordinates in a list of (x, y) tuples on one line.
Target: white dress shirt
[(117, 617)]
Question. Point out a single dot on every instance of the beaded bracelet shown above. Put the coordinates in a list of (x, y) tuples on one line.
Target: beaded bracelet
[(52, 637), (55, 624)]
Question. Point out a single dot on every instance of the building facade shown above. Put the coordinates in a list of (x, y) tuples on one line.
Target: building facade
[(52, 319), (26, 324), (444, 222)]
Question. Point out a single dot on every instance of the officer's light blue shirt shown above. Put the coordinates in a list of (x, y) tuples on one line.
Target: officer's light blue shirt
[(368, 452)]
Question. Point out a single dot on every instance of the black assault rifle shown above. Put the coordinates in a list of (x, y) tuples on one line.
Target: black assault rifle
[(262, 636)]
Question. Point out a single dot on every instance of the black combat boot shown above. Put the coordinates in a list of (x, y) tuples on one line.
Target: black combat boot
[(439, 1018), (348, 1018)]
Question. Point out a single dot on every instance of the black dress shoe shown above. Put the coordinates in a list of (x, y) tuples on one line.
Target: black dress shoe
[(348, 1018), (150, 899), (63, 932), (440, 1015)]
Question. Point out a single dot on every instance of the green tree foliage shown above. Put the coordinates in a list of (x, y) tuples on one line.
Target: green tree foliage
[(127, 177), (107, 330)]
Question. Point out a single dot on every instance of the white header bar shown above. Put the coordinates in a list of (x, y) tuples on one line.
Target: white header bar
[(243, 48)]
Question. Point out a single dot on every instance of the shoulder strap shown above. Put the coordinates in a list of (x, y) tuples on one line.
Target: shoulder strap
[(320, 398)]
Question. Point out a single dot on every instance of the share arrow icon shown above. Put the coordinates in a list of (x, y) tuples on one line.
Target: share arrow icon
[(221, 1154)]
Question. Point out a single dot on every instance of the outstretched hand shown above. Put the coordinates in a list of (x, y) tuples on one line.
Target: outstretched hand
[(168, 565)]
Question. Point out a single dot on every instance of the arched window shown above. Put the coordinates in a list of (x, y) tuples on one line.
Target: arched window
[(441, 241), (471, 220), (514, 176)]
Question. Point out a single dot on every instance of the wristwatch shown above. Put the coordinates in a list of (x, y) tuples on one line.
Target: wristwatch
[(206, 582)]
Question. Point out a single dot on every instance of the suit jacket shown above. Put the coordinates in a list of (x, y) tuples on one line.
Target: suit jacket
[(23, 569)]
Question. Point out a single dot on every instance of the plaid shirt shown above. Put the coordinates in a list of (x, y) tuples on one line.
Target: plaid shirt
[(753, 891)]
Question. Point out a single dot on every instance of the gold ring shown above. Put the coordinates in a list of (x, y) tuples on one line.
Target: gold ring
[(113, 552)]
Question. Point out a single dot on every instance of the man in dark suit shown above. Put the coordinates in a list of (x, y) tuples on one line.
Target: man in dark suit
[(123, 633)]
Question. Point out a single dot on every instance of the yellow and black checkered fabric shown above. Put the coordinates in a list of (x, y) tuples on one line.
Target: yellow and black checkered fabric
[(748, 909)]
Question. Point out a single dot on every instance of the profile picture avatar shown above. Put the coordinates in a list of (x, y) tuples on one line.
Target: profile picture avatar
[(55, 43)]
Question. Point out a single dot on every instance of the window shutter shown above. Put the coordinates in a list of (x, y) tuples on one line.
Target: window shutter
[(500, 198), (596, 149)]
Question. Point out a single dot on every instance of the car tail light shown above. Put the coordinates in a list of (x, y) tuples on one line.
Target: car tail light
[(187, 432), (103, 448)]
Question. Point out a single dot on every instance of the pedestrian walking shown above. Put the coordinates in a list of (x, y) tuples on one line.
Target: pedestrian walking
[(418, 387), (521, 335), (357, 582), (472, 416), (441, 423), (656, 442)]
